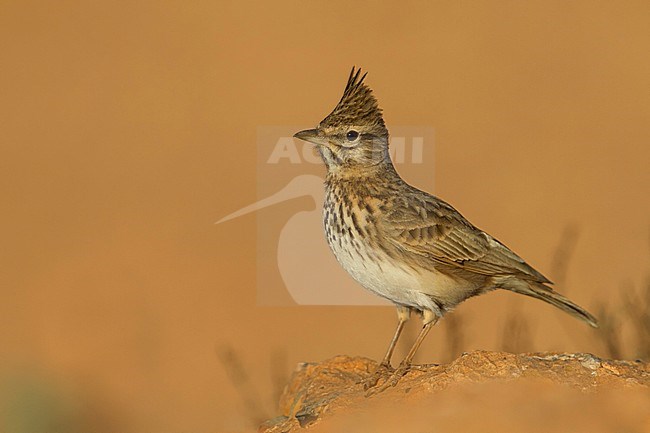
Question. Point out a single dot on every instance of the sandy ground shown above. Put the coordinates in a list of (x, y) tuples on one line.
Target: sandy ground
[(128, 129)]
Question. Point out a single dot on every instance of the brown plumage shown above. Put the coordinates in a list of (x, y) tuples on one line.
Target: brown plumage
[(400, 242)]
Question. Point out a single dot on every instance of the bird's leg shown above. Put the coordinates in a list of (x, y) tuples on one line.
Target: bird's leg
[(403, 315), (429, 318)]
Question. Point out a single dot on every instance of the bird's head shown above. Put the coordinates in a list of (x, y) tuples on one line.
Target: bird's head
[(353, 137)]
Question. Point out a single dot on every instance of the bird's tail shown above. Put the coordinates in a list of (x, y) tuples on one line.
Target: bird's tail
[(544, 293)]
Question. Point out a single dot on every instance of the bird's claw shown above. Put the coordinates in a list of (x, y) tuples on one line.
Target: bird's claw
[(390, 380), (382, 371)]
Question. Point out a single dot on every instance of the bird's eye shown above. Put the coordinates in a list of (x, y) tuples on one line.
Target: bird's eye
[(352, 135)]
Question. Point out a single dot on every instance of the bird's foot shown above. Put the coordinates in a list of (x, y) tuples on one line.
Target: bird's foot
[(390, 380), (383, 371)]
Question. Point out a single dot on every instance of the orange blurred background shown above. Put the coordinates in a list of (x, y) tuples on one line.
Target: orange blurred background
[(128, 128)]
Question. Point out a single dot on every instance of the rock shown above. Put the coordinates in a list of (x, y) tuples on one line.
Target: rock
[(478, 391)]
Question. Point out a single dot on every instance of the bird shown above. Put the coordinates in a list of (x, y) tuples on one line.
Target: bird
[(401, 243)]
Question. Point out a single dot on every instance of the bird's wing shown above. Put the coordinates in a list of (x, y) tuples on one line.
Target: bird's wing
[(432, 228)]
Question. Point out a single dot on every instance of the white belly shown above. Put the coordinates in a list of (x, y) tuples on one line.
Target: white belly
[(382, 275)]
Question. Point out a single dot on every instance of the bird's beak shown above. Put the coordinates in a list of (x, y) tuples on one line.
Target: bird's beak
[(312, 136)]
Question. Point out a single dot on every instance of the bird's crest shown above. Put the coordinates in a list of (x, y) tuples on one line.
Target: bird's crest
[(358, 106)]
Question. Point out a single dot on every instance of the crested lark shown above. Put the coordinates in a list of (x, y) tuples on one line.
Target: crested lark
[(401, 243)]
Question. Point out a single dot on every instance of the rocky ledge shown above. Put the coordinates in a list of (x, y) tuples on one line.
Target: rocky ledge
[(479, 391)]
